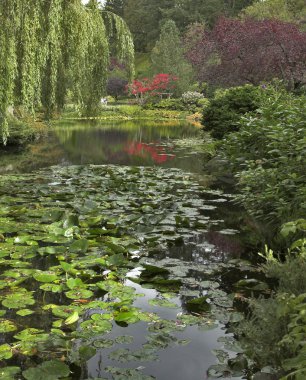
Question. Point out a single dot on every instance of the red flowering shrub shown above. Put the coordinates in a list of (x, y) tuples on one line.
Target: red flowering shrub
[(158, 85)]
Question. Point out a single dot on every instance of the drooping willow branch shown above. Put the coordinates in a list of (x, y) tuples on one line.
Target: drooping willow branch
[(48, 47)]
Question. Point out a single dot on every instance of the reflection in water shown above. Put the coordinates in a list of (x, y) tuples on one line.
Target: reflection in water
[(155, 152), (130, 143), (124, 143), (148, 144)]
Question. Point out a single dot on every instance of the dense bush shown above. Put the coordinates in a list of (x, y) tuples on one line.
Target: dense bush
[(268, 155), (116, 87), (190, 104), (192, 97), (274, 334), (224, 111), (166, 104)]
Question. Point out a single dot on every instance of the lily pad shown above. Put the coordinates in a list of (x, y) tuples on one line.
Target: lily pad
[(6, 351), (7, 326), (18, 299), (45, 276), (162, 303), (50, 370), (24, 312), (8, 373), (198, 305)]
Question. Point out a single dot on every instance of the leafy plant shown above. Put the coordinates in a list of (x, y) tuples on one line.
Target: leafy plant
[(223, 114), (268, 155)]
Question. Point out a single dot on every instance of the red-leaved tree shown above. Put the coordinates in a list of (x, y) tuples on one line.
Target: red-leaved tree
[(236, 52), (157, 86)]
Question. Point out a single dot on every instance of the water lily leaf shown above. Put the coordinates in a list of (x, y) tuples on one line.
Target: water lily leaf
[(24, 312), (52, 288), (8, 373), (124, 339), (162, 303), (103, 343), (19, 299), (7, 326), (221, 355), (219, 370), (72, 319), (198, 305), (131, 316), (47, 276), (121, 355), (95, 327), (70, 221), (77, 294), (79, 246), (117, 260), (75, 283), (127, 374), (6, 351), (50, 370), (86, 353)]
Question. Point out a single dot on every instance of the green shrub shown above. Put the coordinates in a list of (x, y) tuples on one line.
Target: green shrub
[(225, 109), (166, 104), (274, 334), (268, 153)]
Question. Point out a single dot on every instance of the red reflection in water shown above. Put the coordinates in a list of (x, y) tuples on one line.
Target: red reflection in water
[(157, 153)]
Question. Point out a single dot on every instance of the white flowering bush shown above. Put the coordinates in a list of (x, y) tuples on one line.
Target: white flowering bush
[(192, 97)]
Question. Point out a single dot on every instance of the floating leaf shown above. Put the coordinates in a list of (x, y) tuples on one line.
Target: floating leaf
[(24, 312), (124, 339), (50, 370), (8, 373), (6, 351), (7, 326), (72, 319), (198, 305), (162, 303), (45, 276), (18, 299), (77, 294)]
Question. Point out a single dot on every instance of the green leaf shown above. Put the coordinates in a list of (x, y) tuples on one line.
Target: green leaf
[(24, 312), (8, 373), (7, 326), (79, 246), (162, 303), (6, 351), (72, 319), (45, 276), (51, 370)]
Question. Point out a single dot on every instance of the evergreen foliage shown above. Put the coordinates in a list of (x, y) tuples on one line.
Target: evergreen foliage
[(48, 47), (223, 114), (168, 56)]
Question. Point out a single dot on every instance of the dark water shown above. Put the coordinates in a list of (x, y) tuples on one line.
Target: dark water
[(168, 144)]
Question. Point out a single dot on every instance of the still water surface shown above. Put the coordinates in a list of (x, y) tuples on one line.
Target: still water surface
[(168, 145)]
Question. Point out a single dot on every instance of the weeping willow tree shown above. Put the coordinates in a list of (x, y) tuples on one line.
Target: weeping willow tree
[(50, 47)]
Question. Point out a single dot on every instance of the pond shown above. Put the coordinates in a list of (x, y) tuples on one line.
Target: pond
[(117, 257)]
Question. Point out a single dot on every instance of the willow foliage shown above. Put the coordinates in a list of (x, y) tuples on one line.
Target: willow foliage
[(48, 47)]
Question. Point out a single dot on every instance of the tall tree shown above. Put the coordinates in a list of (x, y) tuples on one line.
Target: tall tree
[(115, 6), (168, 56), (284, 10), (249, 51), (50, 46), (143, 18)]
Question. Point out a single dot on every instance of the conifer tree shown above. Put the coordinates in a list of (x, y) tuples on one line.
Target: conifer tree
[(168, 56)]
